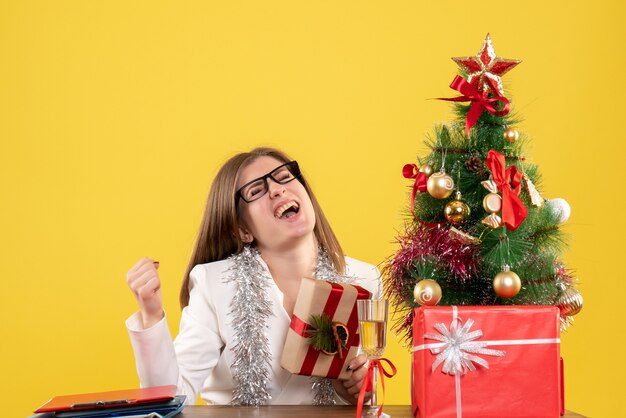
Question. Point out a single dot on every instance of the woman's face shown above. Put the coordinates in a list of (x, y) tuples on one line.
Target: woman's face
[(282, 216)]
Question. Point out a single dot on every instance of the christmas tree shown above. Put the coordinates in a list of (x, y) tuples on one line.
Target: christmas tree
[(478, 232)]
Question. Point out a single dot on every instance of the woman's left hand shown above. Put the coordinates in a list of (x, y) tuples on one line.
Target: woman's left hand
[(349, 389)]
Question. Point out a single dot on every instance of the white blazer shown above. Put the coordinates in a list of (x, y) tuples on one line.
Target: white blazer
[(199, 359)]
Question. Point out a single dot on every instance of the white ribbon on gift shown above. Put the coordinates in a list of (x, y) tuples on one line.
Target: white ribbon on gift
[(458, 347)]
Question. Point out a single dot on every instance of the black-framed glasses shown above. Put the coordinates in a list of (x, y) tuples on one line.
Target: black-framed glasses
[(256, 188)]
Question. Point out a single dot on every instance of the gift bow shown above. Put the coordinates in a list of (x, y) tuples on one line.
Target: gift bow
[(480, 102), (509, 184), (410, 171), (374, 365), (459, 348)]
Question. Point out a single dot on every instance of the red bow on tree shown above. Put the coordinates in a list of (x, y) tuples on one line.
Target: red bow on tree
[(480, 101), (509, 184), (410, 171)]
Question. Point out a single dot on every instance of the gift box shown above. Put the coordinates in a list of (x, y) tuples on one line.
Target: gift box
[(486, 362), (338, 302)]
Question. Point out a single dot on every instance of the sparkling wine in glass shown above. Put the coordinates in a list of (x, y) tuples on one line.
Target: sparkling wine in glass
[(373, 332)]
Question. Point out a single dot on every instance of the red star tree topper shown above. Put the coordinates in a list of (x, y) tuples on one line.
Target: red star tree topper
[(485, 69)]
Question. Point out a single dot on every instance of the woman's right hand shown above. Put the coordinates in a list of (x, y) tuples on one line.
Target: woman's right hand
[(143, 280)]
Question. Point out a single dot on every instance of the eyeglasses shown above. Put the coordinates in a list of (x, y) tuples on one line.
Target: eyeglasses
[(256, 188)]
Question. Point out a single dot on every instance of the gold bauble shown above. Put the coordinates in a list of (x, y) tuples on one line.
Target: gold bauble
[(456, 211), (506, 283), (511, 135), (440, 185), (570, 302), (427, 292), (426, 169), (492, 202)]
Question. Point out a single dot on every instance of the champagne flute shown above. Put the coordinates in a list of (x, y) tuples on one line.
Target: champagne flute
[(373, 330)]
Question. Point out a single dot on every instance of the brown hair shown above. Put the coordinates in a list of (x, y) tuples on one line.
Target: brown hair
[(219, 238)]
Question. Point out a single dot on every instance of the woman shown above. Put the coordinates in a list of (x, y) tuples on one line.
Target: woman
[(262, 231)]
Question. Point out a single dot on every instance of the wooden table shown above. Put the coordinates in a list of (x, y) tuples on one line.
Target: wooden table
[(304, 411)]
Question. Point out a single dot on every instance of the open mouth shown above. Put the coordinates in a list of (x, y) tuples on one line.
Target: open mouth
[(287, 210)]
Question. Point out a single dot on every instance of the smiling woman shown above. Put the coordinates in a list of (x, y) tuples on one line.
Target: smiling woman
[(286, 219), (262, 232)]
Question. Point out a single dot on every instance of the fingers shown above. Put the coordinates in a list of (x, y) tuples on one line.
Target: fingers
[(354, 386), (356, 390), (151, 286), (145, 283), (143, 279), (357, 377), (139, 264), (359, 371), (143, 265), (358, 361)]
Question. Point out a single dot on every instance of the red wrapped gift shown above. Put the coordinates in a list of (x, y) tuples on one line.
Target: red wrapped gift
[(338, 301), (486, 362)]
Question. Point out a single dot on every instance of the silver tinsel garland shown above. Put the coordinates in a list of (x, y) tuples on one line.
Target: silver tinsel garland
[(250, 309), (323, 391)]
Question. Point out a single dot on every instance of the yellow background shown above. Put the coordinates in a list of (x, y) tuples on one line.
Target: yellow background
[(114, 117)]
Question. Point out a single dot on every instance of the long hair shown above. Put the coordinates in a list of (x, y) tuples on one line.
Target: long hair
[(219, 238)]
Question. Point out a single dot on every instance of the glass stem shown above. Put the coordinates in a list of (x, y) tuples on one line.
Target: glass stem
[(374, 399)]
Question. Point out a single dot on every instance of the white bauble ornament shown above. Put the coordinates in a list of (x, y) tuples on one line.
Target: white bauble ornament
[(561, 208)]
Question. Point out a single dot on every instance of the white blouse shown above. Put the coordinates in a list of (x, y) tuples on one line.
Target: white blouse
[(200, 357)]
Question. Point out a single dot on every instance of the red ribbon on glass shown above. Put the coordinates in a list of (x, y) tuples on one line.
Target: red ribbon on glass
[(509, 184), (369, 382), (480, 102), (410, 171)]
